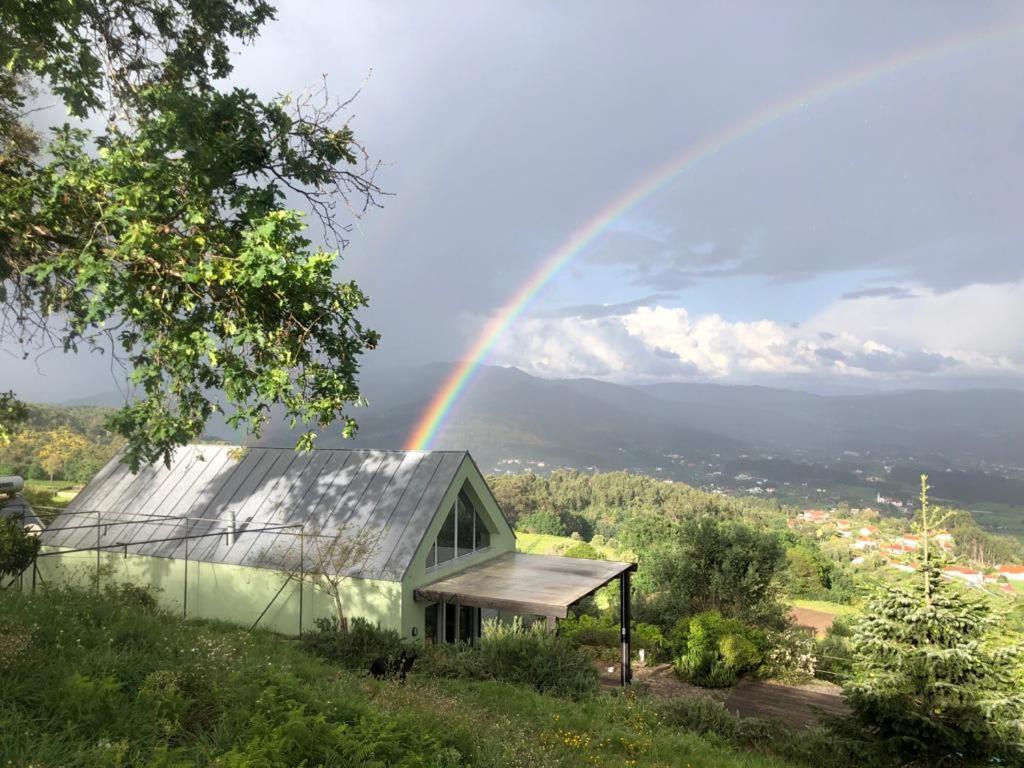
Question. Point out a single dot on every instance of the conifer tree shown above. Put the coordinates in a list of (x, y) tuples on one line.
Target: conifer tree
[(933, 678)]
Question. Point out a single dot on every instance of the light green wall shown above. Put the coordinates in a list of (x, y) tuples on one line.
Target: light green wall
[(502, 540), (232, 593)]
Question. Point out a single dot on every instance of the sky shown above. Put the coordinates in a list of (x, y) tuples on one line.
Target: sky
[(869, 240)]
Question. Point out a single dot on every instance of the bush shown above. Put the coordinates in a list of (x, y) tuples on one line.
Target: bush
[(738, 652), (355, 649), (17, 548), (792, 656), (584, 551), (542, 521), (546, 662), (834, 653), (719, 650), (603, 632)]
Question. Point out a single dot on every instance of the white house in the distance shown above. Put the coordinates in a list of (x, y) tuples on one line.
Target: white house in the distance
[(968, 575), (1012, 572)]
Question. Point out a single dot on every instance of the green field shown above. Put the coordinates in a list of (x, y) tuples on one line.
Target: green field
[(546, 544)]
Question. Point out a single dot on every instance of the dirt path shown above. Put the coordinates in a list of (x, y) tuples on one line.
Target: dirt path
[(797, 705)]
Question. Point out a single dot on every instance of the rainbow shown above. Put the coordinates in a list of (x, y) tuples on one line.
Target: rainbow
[(455, 384)]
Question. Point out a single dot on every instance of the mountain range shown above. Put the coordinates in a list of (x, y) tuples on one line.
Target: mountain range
[(507, 414)]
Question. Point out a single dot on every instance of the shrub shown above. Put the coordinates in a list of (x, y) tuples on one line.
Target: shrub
[(589, 630), (603, 632), (598, 540), (739, 653), (834, 653), (542, 521), (534, 657), (132, 595), (355, 649), (719, 650), (17, 548), (792, 655), (508, 652), (584, 551)]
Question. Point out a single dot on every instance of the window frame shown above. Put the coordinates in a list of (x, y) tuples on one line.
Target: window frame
[(453, 512)]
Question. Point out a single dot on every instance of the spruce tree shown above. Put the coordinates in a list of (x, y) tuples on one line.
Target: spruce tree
[(933, 677)]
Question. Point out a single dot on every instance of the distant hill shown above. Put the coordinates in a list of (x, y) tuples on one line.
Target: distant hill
[(506, 413)]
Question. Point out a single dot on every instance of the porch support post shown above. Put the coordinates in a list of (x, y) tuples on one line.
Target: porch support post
[(625, 673), (552, 623)]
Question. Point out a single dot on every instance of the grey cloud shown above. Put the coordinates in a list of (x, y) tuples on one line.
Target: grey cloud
[(593, 311), (913, 361), (882, 292)]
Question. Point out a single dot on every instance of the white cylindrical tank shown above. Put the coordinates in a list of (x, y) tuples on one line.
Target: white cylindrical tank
[(11, 484)]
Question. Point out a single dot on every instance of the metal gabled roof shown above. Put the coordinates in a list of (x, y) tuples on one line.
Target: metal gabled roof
[(393, 495)]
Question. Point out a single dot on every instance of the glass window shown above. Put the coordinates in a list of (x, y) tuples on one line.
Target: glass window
[(465, 525), (467, 624), (432, 556), (446, 539), (483, 536), (450, 622), (432, 620)]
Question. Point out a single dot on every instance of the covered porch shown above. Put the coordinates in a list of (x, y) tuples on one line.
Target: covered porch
[(538, 585)]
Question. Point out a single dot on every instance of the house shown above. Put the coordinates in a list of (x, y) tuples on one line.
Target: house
[(864, 543), (909, 541), (814, 515), (969, 575), (1012, 572), (212, 531), (868, 531)]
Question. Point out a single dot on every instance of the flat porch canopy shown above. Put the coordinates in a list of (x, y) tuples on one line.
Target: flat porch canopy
[(539, 585)]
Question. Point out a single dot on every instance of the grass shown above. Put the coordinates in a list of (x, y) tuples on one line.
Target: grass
[(107, 681), (547, 544)]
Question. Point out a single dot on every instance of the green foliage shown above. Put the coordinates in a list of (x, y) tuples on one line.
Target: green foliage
[(815, 747), (165, 239), (602, 632), (12, 413), (805, 572), (834, 652), (725, 567), (546, 662), (355, 648), (17, 548), (718, 650), (59, 444), (583, 550), (191, 693), (932, 678), (542, 521), (791, 654)]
